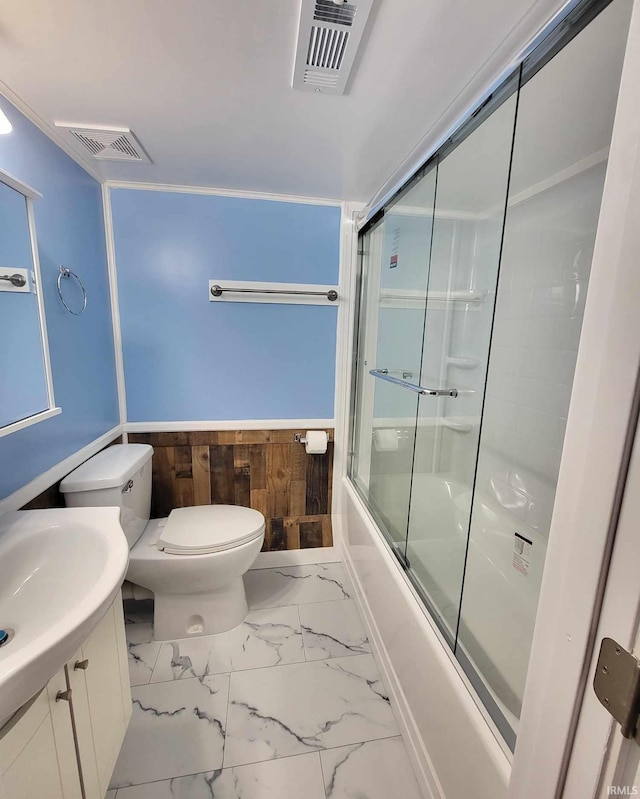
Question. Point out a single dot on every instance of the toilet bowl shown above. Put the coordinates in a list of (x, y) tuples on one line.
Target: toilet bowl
[(193, 561)]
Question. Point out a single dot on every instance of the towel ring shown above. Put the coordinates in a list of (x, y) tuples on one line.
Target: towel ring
[(67, 273)]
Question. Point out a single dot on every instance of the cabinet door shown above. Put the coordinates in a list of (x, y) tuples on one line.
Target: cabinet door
[(35, 772), (63, 733), (102, 700), (37, 753)]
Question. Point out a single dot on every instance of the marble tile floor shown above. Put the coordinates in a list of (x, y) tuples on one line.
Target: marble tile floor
[(289, 705)]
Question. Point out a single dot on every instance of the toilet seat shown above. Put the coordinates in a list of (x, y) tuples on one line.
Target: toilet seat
[(204, 529)]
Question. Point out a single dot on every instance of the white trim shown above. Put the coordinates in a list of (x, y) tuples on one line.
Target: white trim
[(15, 183), (599, 751), (50, 132), (234, 424), (28, 421), (274, 299), (44, 334), (344, 346), (242, 195), (45, 480), (51, 410), (423, 767), (296, 557), (115, 306)]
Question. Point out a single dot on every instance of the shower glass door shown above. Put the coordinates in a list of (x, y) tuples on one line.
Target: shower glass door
[(467, 234), (395, 260), (565, 122), (473, 287)]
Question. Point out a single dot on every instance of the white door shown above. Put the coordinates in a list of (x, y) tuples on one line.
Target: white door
[(603, 763)]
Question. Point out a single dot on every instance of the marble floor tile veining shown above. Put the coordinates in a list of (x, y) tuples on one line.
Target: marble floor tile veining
[(370, 770), (297, 585), (177, 728), (143, 652), (332, 629), (267, 638), (288, 778), (288, 710), (288, 705)]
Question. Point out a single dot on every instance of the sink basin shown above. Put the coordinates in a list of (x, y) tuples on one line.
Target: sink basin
[(60, 570)]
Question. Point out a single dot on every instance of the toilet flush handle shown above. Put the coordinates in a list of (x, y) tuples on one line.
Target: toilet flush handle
[(129, 486)]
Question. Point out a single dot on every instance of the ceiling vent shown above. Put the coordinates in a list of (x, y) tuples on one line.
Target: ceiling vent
[(328, 38), (107, 144)]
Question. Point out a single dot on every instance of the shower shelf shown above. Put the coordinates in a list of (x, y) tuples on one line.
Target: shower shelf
[(406, 298), (456, 296), (460, 425), (462, 362)]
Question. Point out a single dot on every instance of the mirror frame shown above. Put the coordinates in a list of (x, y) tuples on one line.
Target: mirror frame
[(30, 195)]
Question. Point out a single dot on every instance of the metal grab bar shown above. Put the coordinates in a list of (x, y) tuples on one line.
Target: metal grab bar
[(331, 295), (383, 374)]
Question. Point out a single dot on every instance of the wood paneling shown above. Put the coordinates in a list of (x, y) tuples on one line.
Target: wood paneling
[(262, 469)]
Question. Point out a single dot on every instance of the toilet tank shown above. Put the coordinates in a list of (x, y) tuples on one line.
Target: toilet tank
[(118, 476)]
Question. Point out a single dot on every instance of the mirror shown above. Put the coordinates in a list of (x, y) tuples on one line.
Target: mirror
[(26, 392)]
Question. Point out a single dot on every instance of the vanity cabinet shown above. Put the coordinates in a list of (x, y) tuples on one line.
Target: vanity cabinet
[(65, 745)]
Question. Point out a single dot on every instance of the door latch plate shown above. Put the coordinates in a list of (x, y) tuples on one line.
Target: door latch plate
[(617, 685)]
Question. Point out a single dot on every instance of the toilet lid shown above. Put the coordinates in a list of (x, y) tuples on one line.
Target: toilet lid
[(209, 528)]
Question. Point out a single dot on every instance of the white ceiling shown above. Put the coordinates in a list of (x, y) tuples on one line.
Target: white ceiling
[(206, 84)]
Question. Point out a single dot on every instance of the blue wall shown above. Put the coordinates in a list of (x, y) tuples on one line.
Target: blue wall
[(70, 229), (190, 359)]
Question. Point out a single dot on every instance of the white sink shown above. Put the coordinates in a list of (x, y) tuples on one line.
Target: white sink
[(60, 570)]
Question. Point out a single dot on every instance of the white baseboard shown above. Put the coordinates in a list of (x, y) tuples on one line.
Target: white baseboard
[(238, 424), (39, 484), (296, 557), (420, 760)]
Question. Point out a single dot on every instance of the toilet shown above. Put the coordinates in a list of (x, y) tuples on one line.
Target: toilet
[(193, 561)]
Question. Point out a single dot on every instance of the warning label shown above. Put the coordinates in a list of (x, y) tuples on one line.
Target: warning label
[(521, 553)]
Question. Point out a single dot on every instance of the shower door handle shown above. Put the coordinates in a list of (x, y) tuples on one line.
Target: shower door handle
[(383, 374)]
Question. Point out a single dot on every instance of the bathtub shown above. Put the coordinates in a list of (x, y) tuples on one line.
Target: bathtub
[(454, 750), (499, 601)]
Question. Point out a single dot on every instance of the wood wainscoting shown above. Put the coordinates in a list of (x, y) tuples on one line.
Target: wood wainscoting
[(261, 469)]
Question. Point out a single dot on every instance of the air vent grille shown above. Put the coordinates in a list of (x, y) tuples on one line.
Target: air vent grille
[(322, 79), (329, 35), (327, 47), (108, 144), (328, 11)]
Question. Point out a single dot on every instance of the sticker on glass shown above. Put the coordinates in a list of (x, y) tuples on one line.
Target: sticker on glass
[(521, 553)]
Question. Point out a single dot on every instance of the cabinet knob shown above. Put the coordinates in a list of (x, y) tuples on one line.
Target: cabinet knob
[(64, 695), (81, 664)]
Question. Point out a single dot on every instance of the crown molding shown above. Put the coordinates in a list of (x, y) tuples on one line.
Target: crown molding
[(244, 195), (50, 132)]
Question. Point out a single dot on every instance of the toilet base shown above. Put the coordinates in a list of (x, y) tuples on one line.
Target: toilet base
[(190, 615)]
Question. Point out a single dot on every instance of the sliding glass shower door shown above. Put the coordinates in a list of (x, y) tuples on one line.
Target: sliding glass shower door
[(461, 290), (396, 253), (473, 289)]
